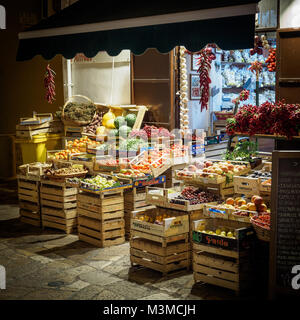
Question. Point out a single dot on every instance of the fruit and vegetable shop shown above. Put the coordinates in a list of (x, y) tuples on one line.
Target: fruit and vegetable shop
[(167, 135)]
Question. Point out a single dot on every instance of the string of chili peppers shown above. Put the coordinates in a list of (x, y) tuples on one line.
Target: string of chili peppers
[(49, 84), (206, 56)]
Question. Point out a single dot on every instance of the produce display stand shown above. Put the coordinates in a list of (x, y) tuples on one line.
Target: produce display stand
[(164, 248), (215, 183), (59, 205), (29, 199), (222, 261), (101, 217)]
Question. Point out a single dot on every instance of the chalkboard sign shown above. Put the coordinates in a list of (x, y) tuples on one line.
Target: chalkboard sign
[(285, 224)]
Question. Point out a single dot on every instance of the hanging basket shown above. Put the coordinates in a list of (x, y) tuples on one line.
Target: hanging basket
[(76, 123)]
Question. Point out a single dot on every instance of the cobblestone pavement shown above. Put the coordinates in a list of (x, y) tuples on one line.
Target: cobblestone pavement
[(51, 265)]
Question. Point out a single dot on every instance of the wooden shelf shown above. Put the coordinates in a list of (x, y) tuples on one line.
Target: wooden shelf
[(265, 136), (151, 80)]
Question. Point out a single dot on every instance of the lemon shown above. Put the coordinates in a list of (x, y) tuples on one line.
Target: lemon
[(100, 130), (110, 124), (229, 234), (108, 116), (218, 232), (223, 234)]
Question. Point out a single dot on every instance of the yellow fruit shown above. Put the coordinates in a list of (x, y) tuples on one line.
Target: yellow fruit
[(243, 207), (223, 234), (108, 116), (100, 130), (110, 124), (218, 232), (230, 234)]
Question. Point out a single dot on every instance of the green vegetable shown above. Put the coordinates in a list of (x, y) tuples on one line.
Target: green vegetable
[(130, 119), (113, 132), (124, 131), (132, 145), (243, 151), (119, 122)]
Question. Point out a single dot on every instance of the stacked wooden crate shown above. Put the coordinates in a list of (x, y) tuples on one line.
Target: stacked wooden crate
[(162, 247), (223, 261), (101, 217), (59, 206), (134, 201), (29, 199)]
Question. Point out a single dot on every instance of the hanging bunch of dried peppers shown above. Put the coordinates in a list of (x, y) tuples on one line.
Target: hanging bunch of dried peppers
[(49, 84), (206, 56)]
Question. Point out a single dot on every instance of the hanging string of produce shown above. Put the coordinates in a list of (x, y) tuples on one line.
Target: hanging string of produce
[(206, 56), (271, 61), (184, 111), (49, 84)]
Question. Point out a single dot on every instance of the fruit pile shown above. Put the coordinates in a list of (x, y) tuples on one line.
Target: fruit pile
[(65, 171), (99, 182), (209, 168), (221, 232), (130, 173), (80, 143), (271, 61), (195, 196), (260, 174), (158, 219), (262, 220), (256, 204), (64, 154)]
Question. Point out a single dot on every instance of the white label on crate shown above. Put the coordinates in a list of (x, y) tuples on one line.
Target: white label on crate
[(168, 222)]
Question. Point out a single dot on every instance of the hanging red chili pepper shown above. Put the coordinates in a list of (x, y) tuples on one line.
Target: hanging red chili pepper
[(205, 58), (49, 84)]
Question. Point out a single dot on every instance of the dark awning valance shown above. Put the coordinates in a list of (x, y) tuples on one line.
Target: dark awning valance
[(79, 29)]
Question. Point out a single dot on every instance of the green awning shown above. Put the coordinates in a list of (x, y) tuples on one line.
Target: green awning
[(89, 26)]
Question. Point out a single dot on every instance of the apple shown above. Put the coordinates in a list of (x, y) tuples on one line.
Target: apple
[(258, 200), (192, 168), (208, 164)]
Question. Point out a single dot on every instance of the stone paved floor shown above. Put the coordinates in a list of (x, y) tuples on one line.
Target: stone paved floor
[(51, 265)]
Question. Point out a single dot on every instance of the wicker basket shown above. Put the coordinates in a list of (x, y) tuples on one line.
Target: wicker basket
[(263, 232), (76, 123)]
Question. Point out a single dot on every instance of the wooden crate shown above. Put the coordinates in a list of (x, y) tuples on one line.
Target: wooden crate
[(161, 198), (28, 189), (243, 239), (28, 131), (101, 218), (29, 200), (178, 224), (102, 206), (101, 233), (128, 215), (58, 205), (223, 268), (246, 185), (30, 217), (152, 255)]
